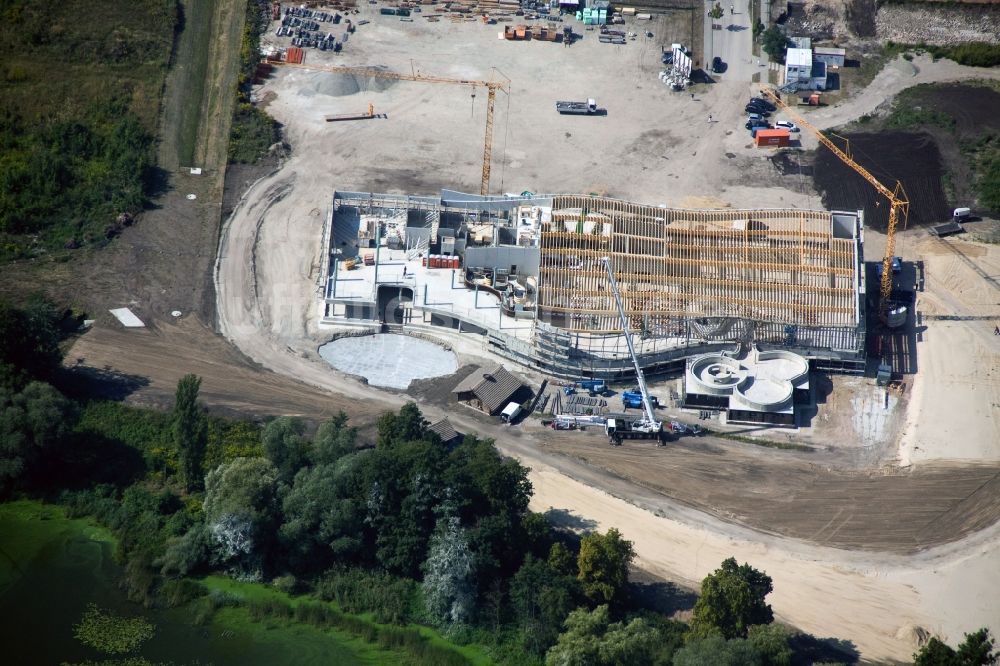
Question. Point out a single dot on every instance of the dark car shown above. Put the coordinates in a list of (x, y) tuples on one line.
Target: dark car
[(717, 65), (758, 108), (757, 123), (763, 102)]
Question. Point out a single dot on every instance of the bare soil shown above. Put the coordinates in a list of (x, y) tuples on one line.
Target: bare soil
[(911, 158), (785, 493)]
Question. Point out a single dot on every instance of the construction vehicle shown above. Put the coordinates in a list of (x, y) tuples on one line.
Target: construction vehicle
[(633, 399), (353, 116), (587, 108), (646, 427), (594, 387), (492, 86), (891, 313)]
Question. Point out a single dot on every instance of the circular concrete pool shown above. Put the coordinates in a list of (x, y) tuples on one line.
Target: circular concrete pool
[(391, 361)]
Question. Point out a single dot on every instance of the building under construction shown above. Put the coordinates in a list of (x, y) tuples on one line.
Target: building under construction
[(525, 273)]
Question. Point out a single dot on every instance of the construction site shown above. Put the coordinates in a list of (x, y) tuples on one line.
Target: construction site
[(527, 275), (436, 225)]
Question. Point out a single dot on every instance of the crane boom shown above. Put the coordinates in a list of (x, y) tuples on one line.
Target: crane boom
[(899, 204), (646, 404), (491, 86)]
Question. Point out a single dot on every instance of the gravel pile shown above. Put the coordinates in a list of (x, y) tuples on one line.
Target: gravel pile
[(940, 26)]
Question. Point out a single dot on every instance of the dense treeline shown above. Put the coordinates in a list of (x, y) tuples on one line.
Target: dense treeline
[(369, 537), (253, 131), (80, 86)]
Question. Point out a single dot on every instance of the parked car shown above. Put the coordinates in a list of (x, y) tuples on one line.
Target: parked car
[(754, 116), (763, 102), (784, 124), (751, 124), (757, 108), (717, 65)]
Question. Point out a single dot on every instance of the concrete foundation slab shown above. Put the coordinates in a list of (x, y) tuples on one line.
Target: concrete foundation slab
[(391, 361)]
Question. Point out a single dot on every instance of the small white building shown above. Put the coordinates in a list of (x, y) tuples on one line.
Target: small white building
[(801, 70), (832, 57)]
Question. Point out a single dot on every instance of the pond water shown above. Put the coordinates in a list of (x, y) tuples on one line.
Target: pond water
[(51, 568), (391, 361)]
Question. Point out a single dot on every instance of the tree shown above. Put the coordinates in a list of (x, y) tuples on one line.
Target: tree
[(591, 639), (403, 499), (32, 422), (324, 515), (449, 578), (562, 560), (774, 42), (542, 598), (30, 348), (716, 12), (717, 651), (732, 599), (975, 650), (771, 643), (285, 446), (333, 440), (241, 511), (490, 495), (190, 431), (407, 426), (603, 565)]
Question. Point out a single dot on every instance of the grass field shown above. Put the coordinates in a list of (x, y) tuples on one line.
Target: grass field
[(191, 65), (61, 58), (80, 89)]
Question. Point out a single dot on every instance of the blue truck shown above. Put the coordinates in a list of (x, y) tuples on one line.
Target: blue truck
[(594, 387), (633, 399)]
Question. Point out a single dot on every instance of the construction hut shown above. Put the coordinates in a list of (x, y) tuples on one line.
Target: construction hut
[(446, 431), (488, 390)]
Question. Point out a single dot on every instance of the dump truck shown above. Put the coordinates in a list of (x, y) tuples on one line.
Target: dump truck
[(577, 108)]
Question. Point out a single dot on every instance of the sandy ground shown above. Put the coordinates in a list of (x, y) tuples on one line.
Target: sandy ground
[(958, 360), (874, 602), (653, 146)]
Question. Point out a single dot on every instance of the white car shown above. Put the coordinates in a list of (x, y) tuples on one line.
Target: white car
[(784, 124)]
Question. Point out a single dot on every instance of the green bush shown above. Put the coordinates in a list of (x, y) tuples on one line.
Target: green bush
[(359, 591), (252, 131)]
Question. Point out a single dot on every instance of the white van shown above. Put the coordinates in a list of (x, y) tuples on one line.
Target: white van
[(510, 412), (961, 214)]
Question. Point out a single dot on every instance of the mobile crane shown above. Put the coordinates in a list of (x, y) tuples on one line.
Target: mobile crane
[(646, 427), (491, 86), (891, 314)]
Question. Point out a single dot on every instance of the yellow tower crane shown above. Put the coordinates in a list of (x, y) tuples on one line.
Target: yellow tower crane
[(899, 204), (491, 87)]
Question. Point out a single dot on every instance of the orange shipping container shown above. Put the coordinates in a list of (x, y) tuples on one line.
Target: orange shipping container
[(772, 138)]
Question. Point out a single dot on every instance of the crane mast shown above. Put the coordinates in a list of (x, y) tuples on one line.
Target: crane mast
[(649, 424), (491, 87)]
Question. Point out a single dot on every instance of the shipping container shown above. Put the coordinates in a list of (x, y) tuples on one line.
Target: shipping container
[(772, 138)]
